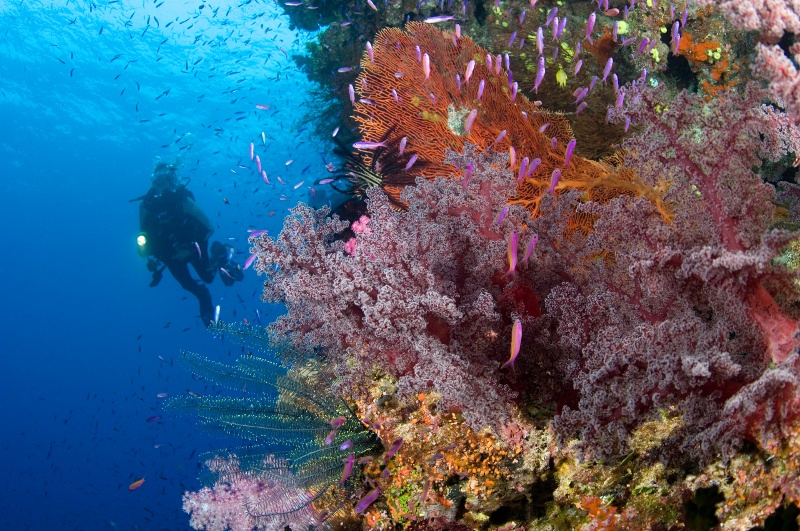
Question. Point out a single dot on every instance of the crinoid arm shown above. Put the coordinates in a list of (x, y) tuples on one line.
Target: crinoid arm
[(304, 433)]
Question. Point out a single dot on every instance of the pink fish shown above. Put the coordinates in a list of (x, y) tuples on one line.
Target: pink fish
[(372, 5), (392, 450), (325, 181), (502, 215), (539, 74), (348, 467), (440, 18), (281, 180), (367, 500), (250, 260), (330, 437), (289, 161), (369, 145), (258, 163), (264, 176), (470, 120), (470, 69), (516, 339), (162, 395), (298, 185), (252, 148), (512, 253), (570, 149), (154, 418), (467, 173), (262, 107), (138, 483), (531, 247), (197, 246), (590, 26), (256, 233), (554, 178)]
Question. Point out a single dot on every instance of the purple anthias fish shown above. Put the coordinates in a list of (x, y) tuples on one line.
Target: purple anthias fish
[(440, 18), (516, 340), (554, 178), (369, 145), (531, 247), (348, 467), (539, 74), (570, 149), (367, 500)]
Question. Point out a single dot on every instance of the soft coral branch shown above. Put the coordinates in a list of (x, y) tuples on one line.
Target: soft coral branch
[(736, 131)]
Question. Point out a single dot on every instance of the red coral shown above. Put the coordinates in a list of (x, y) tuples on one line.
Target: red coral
[(680, 320)]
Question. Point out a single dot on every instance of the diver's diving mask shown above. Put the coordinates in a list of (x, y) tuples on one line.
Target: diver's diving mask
[(165, 178)]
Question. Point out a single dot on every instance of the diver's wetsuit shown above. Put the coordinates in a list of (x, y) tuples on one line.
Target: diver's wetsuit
[(177, 235)]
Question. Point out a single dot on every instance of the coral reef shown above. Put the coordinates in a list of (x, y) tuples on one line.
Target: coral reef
[(568, 298)]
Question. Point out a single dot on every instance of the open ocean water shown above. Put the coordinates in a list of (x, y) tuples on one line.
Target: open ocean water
[(92, 93)]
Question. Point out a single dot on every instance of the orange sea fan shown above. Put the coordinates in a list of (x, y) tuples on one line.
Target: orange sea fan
[(397, 99)]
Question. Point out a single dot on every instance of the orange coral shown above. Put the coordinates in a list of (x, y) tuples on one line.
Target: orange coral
[(603, 517), (718, 73), (398, 100)]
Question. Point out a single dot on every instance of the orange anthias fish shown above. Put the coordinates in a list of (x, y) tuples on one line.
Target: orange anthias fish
[(136, 484)]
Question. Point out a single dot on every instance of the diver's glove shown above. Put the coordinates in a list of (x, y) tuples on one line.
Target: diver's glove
[(230, 273), (152, 265), (158, 274)]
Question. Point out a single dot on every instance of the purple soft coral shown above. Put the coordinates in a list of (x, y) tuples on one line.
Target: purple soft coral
[(423, 298), (680, 322)]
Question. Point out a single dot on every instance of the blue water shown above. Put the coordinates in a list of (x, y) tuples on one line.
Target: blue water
[(85, 344)]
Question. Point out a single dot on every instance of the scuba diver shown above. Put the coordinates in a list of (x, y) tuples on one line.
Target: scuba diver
[(175, 233)]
